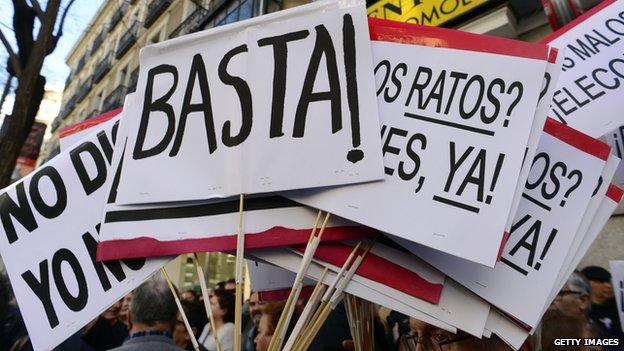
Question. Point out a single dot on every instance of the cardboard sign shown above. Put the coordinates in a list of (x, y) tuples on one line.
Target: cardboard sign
[(411, 280), (455, 125), (426, 12), (278, 102), (617, 278), (553, 69), (591, 85), (564, 175), (130, 231), (48, 241), (385, 285)]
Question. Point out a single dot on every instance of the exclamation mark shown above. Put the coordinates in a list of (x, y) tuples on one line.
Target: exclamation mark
[(617, 145), (551, 237), (348, 46), (499, 165)]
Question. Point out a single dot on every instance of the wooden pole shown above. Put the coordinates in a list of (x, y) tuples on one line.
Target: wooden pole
[(189, 330), (238, 307), (204, 291), (308, 255)]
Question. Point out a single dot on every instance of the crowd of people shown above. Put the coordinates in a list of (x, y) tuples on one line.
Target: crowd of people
[(148, 319)]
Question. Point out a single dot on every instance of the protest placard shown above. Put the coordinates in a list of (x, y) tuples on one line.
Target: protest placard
[(132, 231), (214, 122), (591, 84), (457, 308), (455, 126), (48, 241), (564, 175), (412, 281), (617, 279), (553, 69)]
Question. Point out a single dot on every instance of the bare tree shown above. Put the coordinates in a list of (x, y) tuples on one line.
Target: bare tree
[(25, 64)]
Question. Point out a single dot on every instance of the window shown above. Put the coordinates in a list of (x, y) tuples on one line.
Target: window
[(237, 10)]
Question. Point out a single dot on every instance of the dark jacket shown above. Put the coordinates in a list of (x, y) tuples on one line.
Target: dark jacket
[(149, 343)]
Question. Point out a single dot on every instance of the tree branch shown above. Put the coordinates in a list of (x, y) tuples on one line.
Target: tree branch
[(59, 32), (37, 8), (17, 67)]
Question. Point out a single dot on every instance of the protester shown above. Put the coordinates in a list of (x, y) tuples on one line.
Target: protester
[(107, 331), (124, 312), (603, 305), (152, 316), (230, 285), (423, 336), (188, 295), (270, 314), (574, 297), (13, 335), (557, 325), (250, 330), (222, 305), (196, 316)]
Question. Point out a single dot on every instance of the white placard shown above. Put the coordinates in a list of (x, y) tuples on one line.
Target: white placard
[(278, 102), (442, 162), (617, 278), (48, 242), (399, 275), (565, 173), (590, 88), (206, 226), (553, 69), (291, 261)]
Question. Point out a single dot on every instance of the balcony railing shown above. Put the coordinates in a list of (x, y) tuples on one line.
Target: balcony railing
[(83, 90), (97, 42), (116, 18), (81, 63), (115, 98), (127, 40), (154, 10), (192, 23), (102, 68), (134, 77), (69, 107)]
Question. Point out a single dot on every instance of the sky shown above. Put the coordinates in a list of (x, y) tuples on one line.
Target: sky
[(54, 68)]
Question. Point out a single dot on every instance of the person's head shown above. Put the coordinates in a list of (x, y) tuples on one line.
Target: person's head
[(124, 311), (188, 295), (423, 336), (196, 315), (112, 313), (230, 285), (255, 307), (153, 307), (556, 325), (222, 304), (600, 284), (220, 286), (573, 298), (270, 314)]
